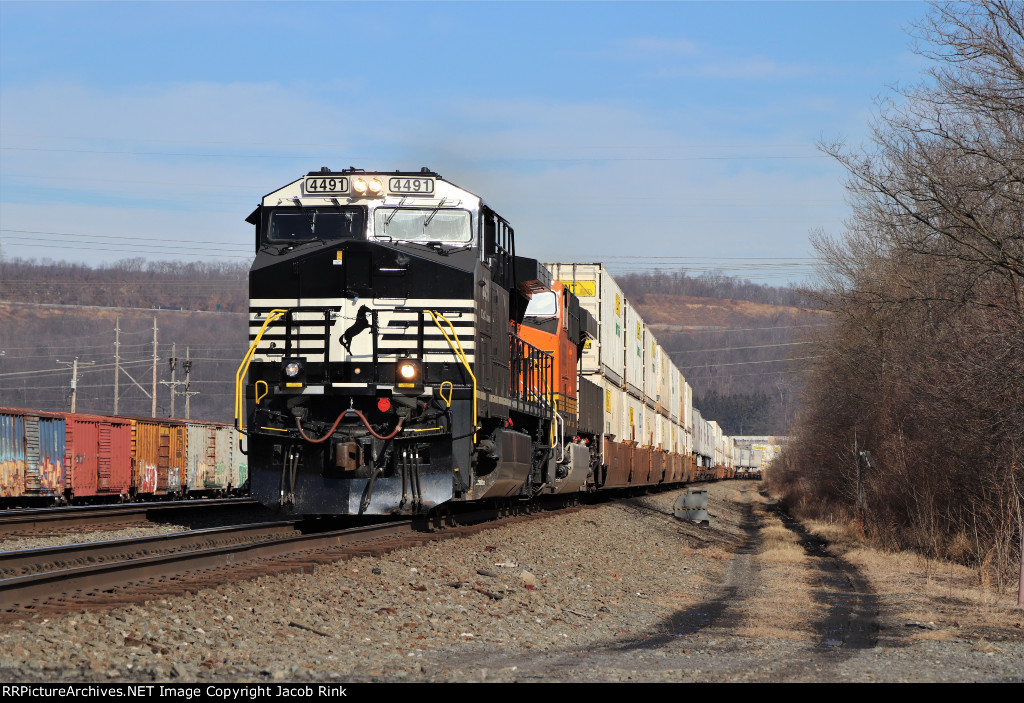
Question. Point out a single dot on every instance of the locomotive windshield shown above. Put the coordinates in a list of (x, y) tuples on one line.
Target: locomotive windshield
[(422, 225), (543, 305), (307, 223)]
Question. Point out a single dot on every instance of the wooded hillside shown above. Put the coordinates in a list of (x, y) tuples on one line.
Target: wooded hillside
[(49, 312)]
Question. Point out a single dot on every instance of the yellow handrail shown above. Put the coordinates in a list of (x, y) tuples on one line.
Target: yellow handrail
[(244, 366), (459, 354)]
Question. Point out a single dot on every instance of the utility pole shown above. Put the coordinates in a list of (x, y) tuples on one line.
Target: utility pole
[(74, 379), (187, 364), (174, 365), (154, 368), (117, 360)]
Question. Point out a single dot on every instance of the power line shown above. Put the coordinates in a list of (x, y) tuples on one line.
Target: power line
[(138, 251), (743, 363), (522, 159), (720, 349), (203, 247), (696, 329), (51, 372)]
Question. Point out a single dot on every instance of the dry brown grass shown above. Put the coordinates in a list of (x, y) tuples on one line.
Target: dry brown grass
[(842, 536), (914, 588), (784, 577)]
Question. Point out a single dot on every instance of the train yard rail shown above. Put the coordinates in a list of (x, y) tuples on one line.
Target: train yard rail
[(68, 577), (16, 523), (57, 586)]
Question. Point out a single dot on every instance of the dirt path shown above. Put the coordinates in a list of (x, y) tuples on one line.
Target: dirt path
[(782, 608)]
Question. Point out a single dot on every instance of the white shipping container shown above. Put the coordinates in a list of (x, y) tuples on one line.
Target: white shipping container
[(666, 371), (652, 365), (695, 428), (650, 427), (634, 352), (632, 418), (613, 402), (601, 296), (675, 384), (687, 409), (716, 443)]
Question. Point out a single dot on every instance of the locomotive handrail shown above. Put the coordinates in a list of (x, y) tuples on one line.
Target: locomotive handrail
[(460, 355), (243, 368)]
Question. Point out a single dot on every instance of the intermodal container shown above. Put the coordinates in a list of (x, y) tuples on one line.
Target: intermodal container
[(652, 366), (635, 332), (601, 296)]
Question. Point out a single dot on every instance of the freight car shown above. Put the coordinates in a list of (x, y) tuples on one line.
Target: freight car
[(48, 457), (402, 357)]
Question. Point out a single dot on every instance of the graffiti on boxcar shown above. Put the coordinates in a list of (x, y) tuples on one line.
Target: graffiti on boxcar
[(148, 478), (51, 476), (173, 479), (12, 477)]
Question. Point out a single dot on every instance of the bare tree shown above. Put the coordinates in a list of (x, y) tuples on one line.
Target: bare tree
[(924, 361)]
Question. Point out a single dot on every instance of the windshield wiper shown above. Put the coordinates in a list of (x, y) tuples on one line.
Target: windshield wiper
[(440, 205), (393, 213), (437, 246), (310, 220)]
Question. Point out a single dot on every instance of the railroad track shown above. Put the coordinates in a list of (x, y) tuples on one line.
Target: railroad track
[(72, 577), (20, 523)]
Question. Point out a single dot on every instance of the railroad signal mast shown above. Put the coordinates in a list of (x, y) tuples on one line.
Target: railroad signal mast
[(186, 365)]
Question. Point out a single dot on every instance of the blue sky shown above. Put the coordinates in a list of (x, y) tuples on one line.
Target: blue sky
[(679, 133)]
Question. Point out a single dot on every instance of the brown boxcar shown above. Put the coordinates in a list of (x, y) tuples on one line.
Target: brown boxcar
[(98, 456), (12, 453), (31, 453), (159, 449)]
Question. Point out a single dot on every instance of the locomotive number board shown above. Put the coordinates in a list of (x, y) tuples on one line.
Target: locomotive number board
[(411, 186), (321, 185)]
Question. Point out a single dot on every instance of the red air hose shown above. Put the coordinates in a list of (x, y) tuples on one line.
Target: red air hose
[(298, 423)]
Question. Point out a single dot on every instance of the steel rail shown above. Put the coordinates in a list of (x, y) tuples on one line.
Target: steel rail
[(24, 559), (29, 589), (26, 520)]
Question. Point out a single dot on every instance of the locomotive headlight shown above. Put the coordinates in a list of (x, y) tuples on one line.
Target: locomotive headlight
[(367, 187), (409, 373), (292, 369)]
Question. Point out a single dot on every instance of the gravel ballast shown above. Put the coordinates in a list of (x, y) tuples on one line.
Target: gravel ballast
[(617, 592)]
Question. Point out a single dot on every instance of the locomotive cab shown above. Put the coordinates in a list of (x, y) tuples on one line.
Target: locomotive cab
[(380, 376), (555, 323)]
